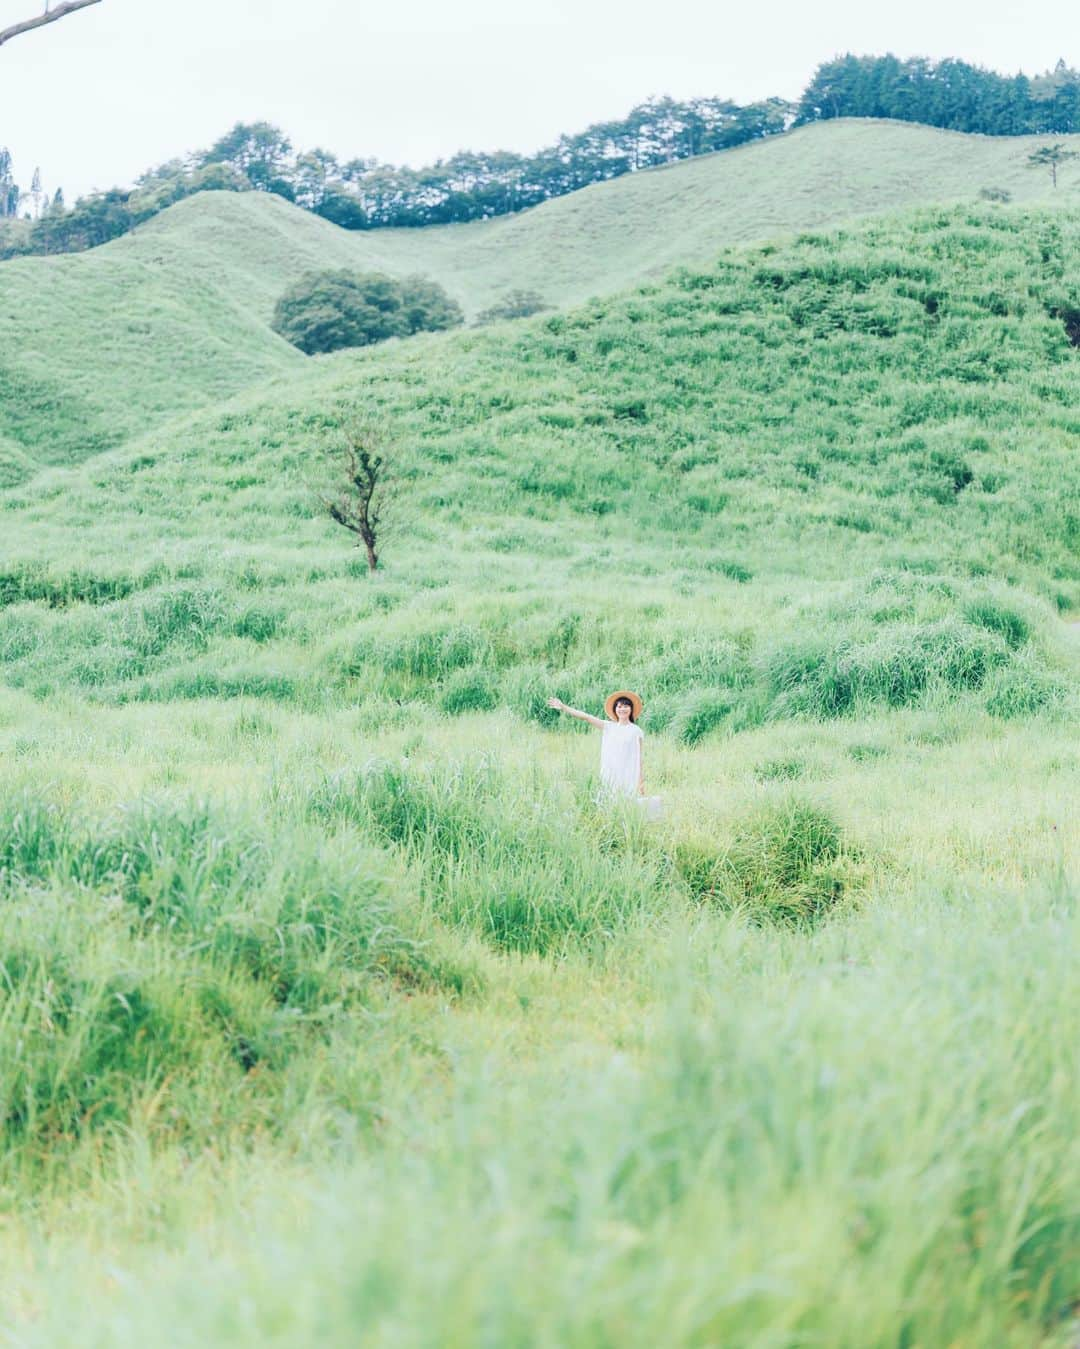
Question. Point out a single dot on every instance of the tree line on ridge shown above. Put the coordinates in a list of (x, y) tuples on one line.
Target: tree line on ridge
[(366, 194)]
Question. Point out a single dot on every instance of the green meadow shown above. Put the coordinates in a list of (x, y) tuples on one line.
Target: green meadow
[(333, 1008)]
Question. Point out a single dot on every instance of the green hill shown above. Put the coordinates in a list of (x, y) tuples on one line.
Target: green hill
[(100, 346), (897, 395), (613, 235), (330, 985)]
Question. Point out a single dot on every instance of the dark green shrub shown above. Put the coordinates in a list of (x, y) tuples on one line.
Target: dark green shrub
[(702, 712), (326, 311), (1021, 689), (469, 691), (29, 583), (999, 618), (426, 307), (182, 615), (526, 873), (259, 624), (435, 652), (787, 862), (895, 667), (948, 476), (734, 571), (779, 770), (515, 304)]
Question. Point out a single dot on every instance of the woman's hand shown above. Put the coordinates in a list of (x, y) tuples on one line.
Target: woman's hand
[(560, 706)]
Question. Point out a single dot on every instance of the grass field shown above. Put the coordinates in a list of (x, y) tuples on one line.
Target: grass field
[(335, 1010)]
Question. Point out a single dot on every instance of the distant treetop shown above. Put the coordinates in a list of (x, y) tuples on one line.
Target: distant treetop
[(948, 94)]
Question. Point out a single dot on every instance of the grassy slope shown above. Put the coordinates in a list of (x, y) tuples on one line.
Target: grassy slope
[(820, 502), (615, 234), (101, 345), (830, 389), (98, 346)]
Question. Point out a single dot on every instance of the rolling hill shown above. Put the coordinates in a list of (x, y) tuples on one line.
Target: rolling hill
[(898, 394), (98, 347)]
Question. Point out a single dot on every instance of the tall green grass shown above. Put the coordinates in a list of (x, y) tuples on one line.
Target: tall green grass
[(863, 1141), (173, 950), (527, 867)]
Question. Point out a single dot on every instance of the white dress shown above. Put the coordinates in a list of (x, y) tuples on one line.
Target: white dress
[(620, 758)]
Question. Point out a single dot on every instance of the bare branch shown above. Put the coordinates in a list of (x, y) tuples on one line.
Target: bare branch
[(50, 16)]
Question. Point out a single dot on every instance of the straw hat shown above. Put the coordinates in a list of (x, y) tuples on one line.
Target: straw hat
[(633, 699)]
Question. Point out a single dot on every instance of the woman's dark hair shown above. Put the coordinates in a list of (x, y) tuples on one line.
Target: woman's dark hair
[(627, 701)]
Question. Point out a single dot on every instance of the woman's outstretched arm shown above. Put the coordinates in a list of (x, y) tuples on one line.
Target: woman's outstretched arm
[(560, 706)]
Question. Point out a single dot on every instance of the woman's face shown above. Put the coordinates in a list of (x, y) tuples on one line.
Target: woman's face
[(623, 708)]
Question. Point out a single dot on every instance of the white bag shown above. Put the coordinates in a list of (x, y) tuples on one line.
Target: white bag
[(652, 807)]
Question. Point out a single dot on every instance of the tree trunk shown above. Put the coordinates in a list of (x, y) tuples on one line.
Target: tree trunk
[(372, 556)]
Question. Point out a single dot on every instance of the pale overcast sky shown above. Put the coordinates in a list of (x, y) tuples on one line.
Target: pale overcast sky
[(98, 97)]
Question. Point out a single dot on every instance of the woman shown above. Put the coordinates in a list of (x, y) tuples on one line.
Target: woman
[(620, 748)]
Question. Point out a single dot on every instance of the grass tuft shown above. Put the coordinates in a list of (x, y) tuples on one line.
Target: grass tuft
[(787, 862)]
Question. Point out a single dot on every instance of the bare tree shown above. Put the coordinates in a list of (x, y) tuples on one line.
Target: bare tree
[(49, 16), (365, 489)]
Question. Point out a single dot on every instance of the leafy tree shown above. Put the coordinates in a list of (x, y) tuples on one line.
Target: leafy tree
[(1052, 156), (515, 304), (947, 93), (172, 182), (14, 239), (472, 186), (363, 194), (314, 174), (326, 311), (258, 151), (9, 190), (426, 307), (92, 221), (36, 198), (341, 208)]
